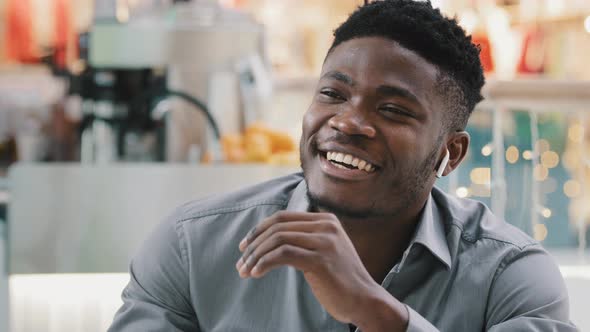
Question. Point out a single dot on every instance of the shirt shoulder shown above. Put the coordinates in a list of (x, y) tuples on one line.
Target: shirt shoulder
[(275, 192), (519, 281), (477, 223)]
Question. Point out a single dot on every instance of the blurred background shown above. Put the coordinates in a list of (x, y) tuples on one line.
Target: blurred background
[(113, 112)]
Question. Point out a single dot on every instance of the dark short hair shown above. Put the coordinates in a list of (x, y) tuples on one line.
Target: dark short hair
[(419, 27)]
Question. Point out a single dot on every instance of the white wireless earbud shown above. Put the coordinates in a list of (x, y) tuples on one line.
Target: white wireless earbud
[(443, 164)]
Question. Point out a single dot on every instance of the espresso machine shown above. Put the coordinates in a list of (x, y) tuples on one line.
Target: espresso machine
[(163, 80)]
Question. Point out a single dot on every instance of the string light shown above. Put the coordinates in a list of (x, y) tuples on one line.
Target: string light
[(486, 150), (462, 192), (549, 159), (512, 154), (546, 213), (527, 155)]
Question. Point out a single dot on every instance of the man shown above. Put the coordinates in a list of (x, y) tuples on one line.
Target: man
[(362, 239)]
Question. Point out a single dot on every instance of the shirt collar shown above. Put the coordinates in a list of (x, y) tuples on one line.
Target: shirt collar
[(299, 200), (430, 231)]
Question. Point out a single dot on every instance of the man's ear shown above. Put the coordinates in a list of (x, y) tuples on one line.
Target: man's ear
[(457, 144)]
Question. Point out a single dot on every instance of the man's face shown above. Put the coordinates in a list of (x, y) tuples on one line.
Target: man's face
[(375, 107)]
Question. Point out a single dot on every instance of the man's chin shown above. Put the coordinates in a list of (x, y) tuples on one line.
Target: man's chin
[(330, 202), (339, 208)]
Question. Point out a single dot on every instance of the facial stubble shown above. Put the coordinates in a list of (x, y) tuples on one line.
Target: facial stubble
[(413, 185)]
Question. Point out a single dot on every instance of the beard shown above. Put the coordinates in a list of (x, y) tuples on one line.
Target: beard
[(412, 183)]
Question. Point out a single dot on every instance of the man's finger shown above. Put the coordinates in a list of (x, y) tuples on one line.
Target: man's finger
[(309, 241), (295, 226), (299, 258), (279, 217)]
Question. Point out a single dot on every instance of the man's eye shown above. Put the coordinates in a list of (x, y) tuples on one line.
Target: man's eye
[(391, 111), (331, 94)]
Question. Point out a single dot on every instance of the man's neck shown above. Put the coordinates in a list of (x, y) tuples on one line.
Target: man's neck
[(381, 241)]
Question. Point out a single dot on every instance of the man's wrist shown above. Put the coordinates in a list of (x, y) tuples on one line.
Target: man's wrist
[(380, 311)]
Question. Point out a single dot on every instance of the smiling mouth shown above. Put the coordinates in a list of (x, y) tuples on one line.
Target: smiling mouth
[(348, 161)]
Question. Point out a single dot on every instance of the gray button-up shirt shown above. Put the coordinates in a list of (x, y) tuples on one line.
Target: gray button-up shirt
[(464, 270)]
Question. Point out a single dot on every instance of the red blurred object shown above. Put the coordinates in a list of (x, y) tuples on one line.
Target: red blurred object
[(62, 32), (19, 44), (532, 59), (485, 54)]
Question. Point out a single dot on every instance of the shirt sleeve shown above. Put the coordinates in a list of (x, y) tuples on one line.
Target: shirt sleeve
[(417, 323), (157, 295), (529, 294)]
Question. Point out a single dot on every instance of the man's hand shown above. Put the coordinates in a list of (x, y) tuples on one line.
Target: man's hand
[(317, 245)]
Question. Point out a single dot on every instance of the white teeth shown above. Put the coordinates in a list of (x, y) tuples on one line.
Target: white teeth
[(347, 159), (362, 164), (350, 160)]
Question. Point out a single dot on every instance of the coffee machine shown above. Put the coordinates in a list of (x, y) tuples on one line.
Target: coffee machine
[(164, 80)]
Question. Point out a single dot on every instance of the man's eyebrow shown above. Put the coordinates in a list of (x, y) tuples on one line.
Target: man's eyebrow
[(339, 76), (393, 91)]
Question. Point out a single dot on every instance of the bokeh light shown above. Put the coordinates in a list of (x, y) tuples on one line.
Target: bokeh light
[(575, 133), (512, 154), (540, 232), (540, 172), (481, 175), (486, 150), (549, 159), (527, 155), (572, 188), (462, 192)]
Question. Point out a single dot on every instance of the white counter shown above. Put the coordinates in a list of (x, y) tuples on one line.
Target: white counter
[(67, 218)]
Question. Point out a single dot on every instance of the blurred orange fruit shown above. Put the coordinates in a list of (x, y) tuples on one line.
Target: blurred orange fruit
[(258, 147), (260, 144)]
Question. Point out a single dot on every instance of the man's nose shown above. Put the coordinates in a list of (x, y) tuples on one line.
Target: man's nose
[(352, 122)]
